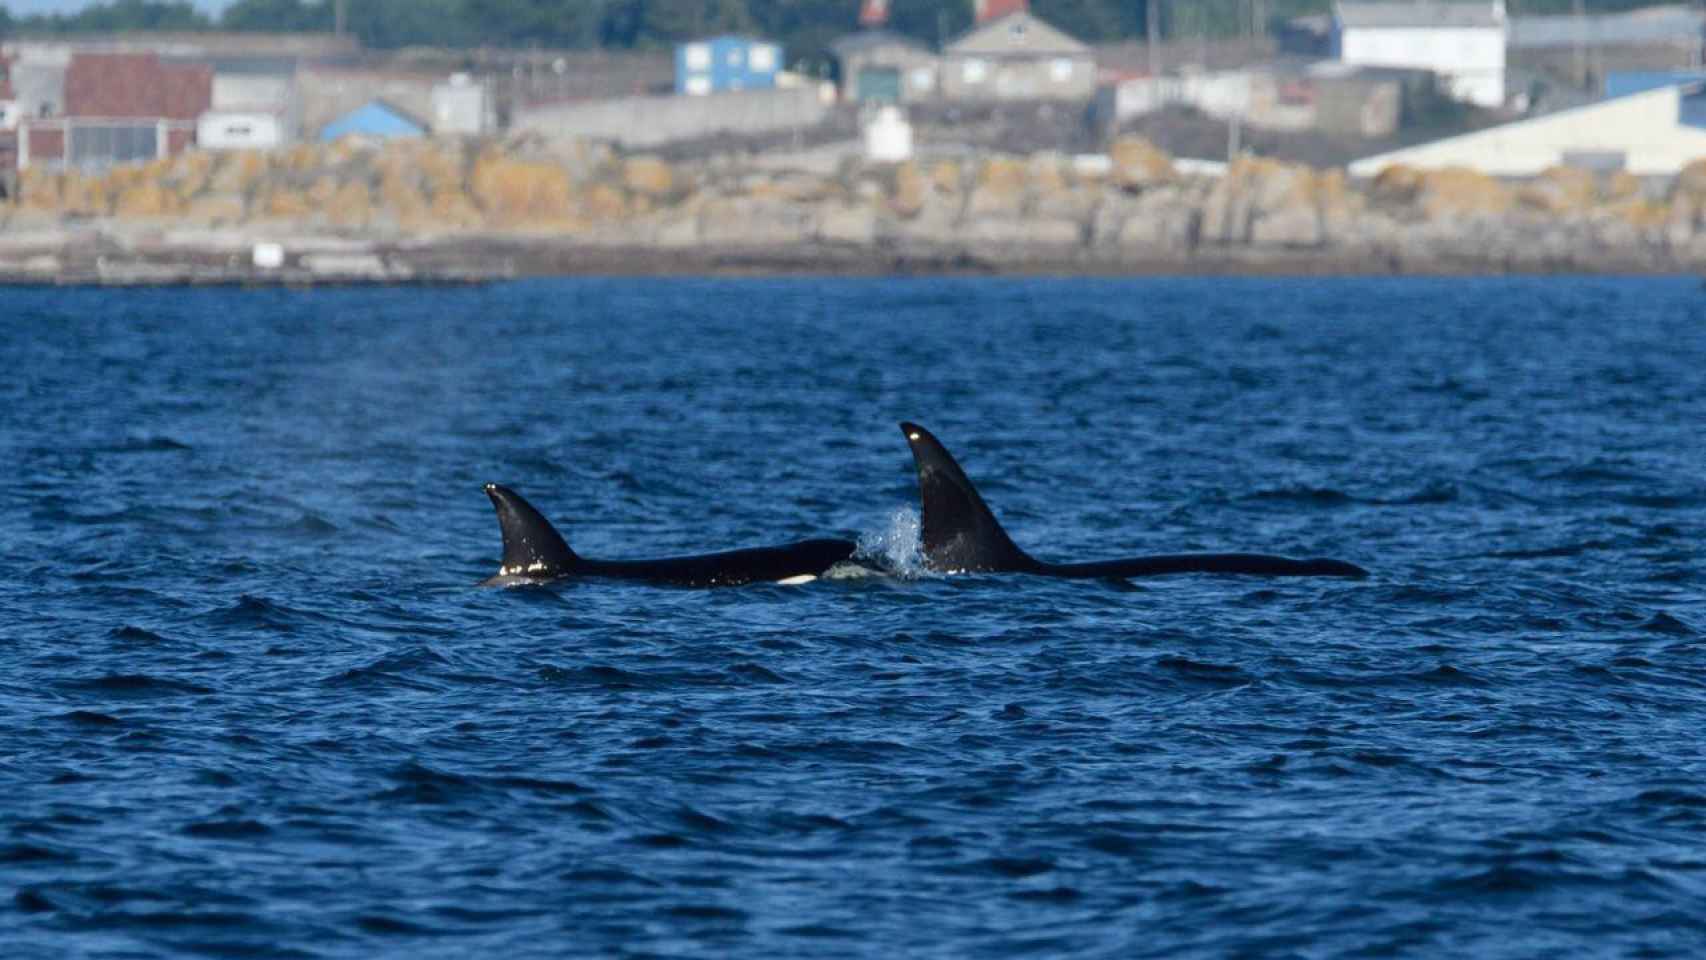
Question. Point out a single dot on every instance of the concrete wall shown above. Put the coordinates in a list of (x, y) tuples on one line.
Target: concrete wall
[(1469, 60), (1643, 127), (652, 121)]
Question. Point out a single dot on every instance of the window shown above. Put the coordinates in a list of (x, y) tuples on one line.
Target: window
[(238, 130), (764, 58), (698, 56), (698, 86), (1017, 30), (923, 78), (1060, 70), (974, 71)]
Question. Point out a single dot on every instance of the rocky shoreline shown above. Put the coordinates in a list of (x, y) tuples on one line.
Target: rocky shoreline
[(468, 211)]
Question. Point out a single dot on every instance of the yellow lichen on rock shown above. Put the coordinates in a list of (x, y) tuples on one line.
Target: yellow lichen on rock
[(1560, 190), (1459, 191), (907, 196), (945, 176), (1691, 181), (516, 192), (648, 175), (601, 201), (147, 198), (1137, 163)]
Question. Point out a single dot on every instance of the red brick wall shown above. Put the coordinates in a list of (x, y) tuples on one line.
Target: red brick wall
[(46, 144)]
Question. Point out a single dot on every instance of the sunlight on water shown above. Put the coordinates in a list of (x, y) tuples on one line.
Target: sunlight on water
[(897, 545)]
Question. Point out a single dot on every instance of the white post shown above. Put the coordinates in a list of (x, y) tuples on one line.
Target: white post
[(24, 145), (161, 151)]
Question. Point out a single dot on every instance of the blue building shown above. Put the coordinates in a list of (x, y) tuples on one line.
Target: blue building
[(377, 119), (721, 64)]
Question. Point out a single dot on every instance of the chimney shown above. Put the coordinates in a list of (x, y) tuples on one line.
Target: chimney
[(988, 10), (873, 13)]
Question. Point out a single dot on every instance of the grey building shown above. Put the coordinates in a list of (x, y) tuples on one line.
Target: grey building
[(878, 66), (1017, 57)]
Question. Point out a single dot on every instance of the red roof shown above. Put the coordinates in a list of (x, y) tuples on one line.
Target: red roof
[(135, 85), (996, 9)]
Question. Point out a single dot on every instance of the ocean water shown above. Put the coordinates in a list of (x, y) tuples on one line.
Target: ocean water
[(252, 703)]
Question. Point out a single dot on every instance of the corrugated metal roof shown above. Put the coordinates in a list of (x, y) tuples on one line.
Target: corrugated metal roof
[(1433, 13), (1668, 25)]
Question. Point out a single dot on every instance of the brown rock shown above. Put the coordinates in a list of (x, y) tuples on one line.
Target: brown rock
[(1460, 192), (648, 175), (945, 176), (906, 199), (1560, 190), (1000, 188), (1623, 185), (601, 201), (1137, 163), (1396, 185), (351, 205), (1691, 181), (40, 189), (283, 203), (217, 209), (146, 199), (515, 192)]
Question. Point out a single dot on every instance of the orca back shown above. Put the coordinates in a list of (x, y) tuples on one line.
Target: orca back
[(960, 533), (533, 549)]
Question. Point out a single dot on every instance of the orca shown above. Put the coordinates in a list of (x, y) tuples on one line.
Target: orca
[(534, 552), (961, 535)]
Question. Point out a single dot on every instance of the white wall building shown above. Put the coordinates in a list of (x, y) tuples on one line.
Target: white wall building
[(1462, 42), (460, 107), (1653, 133), (220, 130)]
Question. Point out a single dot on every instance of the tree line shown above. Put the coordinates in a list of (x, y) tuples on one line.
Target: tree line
[(805, 27)]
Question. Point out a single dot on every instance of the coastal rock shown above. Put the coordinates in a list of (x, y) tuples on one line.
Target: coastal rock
[(648, 176), (907, 197), (1560, 190), (514, 192), (1000, 188), (1138, 164), (1457, 192), (853, 225)]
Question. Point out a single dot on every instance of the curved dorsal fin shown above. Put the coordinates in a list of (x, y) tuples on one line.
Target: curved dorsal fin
[(959, 531), (532, 547)]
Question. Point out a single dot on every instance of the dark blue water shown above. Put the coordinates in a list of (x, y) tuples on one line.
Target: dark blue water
[(251, 703)]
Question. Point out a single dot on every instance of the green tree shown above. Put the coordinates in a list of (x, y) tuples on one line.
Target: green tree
[(289, 16)]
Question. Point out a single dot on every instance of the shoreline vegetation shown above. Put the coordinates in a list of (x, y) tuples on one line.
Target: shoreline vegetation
[(463, 211)]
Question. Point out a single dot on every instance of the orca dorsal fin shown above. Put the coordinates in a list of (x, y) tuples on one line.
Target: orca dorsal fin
[(959, 531), (532, 547)]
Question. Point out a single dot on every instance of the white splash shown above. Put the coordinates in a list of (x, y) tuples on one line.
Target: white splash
[(897, 546), (800, 580)]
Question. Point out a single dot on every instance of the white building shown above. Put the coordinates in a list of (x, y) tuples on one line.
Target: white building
[(1462, 42), (460, 107), (1655, 132)]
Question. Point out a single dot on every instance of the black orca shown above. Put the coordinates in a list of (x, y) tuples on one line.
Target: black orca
[(534, 552), (960, 534)]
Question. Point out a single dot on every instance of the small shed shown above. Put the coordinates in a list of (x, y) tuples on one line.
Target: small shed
[(461, 106), (879, 66), (376, 118), (723, 64), (1017, 57)]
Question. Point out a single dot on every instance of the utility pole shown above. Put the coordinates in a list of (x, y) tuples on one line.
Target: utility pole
[(1581, 45), (1152, 34), (340, 17)]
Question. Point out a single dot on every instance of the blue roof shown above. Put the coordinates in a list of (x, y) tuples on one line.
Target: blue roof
[(1624, 82), (376, 118)]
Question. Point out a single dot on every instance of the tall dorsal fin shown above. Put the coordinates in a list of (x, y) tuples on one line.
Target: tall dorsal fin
[(532, 547), (959, 531)]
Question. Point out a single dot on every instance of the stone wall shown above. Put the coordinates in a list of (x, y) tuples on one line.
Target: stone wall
[(652, 121)]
